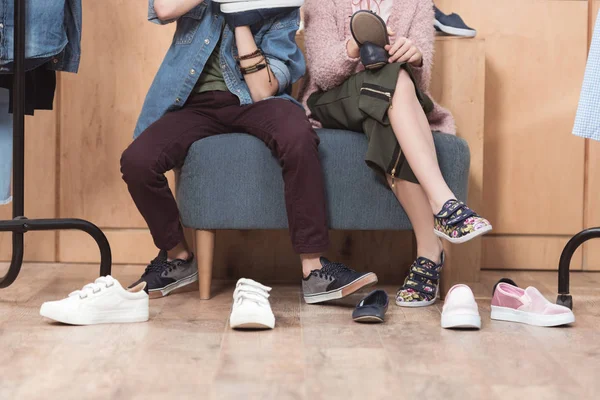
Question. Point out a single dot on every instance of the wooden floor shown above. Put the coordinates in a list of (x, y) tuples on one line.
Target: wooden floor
[(187, 350)]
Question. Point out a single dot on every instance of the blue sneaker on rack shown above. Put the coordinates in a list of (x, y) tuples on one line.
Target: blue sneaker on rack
[(452, 24)]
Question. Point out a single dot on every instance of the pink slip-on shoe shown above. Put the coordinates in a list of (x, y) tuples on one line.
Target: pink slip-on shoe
[(527, 306)]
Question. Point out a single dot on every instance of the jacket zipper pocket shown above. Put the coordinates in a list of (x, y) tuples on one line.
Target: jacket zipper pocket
[(378, 94)]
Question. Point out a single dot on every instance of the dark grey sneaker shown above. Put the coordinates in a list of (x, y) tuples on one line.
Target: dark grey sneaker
[(334, 281), (163, 276)]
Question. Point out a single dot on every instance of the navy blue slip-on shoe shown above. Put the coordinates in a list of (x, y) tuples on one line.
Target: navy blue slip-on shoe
[(372, 56), (452, 24), (367, 26), (372, 308)]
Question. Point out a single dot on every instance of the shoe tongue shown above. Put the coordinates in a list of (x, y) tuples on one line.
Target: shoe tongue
[(162, 255), (324, 261)]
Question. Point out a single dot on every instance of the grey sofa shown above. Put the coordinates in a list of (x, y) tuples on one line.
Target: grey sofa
[(233, 182)]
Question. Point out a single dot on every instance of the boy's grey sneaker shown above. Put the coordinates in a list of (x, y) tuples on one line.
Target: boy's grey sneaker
[(334, 281), (163, 276)]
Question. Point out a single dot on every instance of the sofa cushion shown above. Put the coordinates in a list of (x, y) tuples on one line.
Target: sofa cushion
[(234, 182)]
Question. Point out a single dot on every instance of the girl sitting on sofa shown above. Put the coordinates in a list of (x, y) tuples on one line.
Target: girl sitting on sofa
[(389, 102)]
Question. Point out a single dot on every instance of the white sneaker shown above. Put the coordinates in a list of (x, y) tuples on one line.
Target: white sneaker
[(460, 309), (236, 6), (102, 302), (251, 308)]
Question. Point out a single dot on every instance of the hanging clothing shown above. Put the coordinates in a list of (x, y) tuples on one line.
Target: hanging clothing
[(40, 85), (587, 120), (53, 32), (6, 136), (53, 43)]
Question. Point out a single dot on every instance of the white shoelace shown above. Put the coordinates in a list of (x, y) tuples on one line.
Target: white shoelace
[(104, 282)]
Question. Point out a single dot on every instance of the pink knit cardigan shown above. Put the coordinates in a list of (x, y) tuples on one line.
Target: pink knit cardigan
[(327, 30)]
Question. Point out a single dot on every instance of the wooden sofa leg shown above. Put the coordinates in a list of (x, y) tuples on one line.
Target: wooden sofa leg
[(205, 249)]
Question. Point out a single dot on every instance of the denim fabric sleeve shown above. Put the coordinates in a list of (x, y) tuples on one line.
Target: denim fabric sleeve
[(285, 57), (152, 17)]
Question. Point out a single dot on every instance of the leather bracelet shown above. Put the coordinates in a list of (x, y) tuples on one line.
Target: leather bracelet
[(259, 66), (250, 56), (255, 64), (255, 68)]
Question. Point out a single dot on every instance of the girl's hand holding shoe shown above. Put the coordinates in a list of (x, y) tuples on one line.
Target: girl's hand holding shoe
[(403, 50)]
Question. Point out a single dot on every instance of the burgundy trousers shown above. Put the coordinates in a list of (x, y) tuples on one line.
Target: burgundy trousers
[(280, 124)]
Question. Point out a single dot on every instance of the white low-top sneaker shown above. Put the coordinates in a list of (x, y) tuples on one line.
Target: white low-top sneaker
[(102, 302), (251, 308), (237, 6), (460, 309)]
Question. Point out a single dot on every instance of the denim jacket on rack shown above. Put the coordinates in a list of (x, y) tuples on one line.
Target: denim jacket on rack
[(195, 39), (5, 147), (53, 32)]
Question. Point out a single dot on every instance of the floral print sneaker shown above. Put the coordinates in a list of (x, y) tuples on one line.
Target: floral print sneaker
[(421, 286), (457, 223)]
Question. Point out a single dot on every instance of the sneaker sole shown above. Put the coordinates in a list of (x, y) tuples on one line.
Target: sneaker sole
[(463, 321), (512, 315), (245, 320), (465, 238), (369, 319), (164, 291), (253, 323), (363, 282), (241, 6), (138, 314), (450, 30)]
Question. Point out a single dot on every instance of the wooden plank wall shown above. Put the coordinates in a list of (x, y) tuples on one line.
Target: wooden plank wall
[(534, 167), (535, 181)]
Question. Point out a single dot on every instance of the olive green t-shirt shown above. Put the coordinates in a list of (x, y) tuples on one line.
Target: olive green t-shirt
[(211, 77)]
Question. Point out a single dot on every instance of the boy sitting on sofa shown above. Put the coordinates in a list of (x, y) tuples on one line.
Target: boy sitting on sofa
[(225, 73)]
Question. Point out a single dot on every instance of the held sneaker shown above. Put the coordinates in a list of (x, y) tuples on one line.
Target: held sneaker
[(422, 285), (334, 281), (163, 276), (238, 6), (457, 223), (251, 308), (102, 302)]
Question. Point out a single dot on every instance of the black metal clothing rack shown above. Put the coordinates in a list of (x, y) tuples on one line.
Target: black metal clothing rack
[(564, 297), (19, 225)]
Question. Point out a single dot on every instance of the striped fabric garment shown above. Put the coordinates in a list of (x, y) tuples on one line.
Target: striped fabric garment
[(587, 121)]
